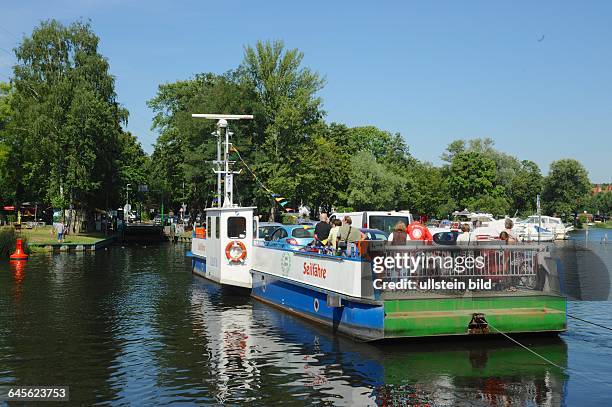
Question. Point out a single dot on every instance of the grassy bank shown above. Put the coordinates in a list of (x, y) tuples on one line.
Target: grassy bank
[(46, 235), (606, 225)]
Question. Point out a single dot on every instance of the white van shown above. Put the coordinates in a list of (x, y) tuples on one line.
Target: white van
[(381, 220)]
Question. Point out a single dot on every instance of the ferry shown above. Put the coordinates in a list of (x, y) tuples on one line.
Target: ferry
[(479, 289)]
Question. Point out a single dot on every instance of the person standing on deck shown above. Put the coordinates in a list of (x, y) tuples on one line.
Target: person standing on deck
[(508, 224), (399, 237), (349, 235), (322, 229), (332, 240), (465, 237)]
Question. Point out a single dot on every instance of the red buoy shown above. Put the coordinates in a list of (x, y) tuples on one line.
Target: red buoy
[(19, 253)]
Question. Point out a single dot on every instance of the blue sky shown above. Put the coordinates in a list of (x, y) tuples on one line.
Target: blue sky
[(534, 76)]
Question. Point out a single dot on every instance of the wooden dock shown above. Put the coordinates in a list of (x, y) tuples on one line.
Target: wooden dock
[(73, 247)]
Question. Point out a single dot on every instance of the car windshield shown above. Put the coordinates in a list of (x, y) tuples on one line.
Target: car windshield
[(304, 232), (386, 223), (376, 236), (266, 230)]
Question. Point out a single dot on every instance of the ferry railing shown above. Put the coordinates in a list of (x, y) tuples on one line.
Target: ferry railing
[(350, 253), (504, 268), (450, 269)]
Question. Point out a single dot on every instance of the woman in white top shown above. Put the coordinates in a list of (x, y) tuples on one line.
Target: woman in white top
[(466, 236)]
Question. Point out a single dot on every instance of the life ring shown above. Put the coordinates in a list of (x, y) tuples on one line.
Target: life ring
[(417, 231), (235, 251)]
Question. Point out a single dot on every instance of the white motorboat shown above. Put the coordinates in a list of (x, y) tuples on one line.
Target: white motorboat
[(549, 224)]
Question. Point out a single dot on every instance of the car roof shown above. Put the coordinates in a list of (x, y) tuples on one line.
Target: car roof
[(298, 226)]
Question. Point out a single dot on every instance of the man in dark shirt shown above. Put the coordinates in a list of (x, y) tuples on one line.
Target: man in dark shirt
[(322, 229)]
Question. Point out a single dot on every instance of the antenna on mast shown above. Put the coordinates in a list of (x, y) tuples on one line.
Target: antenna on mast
[(223, 169)]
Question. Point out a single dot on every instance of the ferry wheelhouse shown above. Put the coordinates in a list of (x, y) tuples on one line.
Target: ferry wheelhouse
[(224, 253)]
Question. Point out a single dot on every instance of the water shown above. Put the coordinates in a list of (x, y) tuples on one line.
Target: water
[(133, 326)]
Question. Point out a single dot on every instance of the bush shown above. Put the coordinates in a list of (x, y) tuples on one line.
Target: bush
[(288, 219), (8, 237), (8, 240)]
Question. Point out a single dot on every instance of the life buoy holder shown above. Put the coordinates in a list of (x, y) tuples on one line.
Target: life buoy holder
[(235, 251), (417, 231)]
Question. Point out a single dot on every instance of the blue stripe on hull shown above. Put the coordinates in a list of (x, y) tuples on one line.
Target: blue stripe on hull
[(198, 265), (360, 320)]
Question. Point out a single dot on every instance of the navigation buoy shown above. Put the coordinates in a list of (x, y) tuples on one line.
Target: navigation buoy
[(19, 253)]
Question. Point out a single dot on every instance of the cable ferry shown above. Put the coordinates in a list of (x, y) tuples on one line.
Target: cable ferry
[(378, 291)]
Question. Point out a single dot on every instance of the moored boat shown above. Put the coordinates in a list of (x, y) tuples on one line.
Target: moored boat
[(548, 225)]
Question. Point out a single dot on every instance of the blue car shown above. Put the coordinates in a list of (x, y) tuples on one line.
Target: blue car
[(374, 234), (291, 236)]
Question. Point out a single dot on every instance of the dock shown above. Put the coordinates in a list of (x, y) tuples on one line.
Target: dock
[(73, 247)]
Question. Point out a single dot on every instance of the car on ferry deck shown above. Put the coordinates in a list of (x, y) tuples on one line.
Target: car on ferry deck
[(374, 234), (291, 236)]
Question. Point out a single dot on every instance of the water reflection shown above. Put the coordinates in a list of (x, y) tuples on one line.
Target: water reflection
[(255, 350), (133, 326)]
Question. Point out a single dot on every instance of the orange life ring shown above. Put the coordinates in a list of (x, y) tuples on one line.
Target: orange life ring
[(235, 257), (418, 231)]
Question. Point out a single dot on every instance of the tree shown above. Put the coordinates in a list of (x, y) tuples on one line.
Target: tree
[(291, 112), (67, 118), (372, 186), (185, 147), (600, 203), (454, 148), (471, 175), (525, 186), (7, 189), (565, 187)]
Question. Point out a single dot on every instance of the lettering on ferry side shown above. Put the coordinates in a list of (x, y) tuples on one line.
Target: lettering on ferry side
[(313, 269)]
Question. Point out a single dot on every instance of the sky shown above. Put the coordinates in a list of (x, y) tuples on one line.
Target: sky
[(536, 77)]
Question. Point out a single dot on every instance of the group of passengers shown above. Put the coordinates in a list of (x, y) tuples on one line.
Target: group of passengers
[(336, 235)]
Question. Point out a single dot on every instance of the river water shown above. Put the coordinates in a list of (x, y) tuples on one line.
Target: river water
[(132, 325)]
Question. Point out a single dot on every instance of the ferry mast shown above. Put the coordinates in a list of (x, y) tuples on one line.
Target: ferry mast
[(223, 166)]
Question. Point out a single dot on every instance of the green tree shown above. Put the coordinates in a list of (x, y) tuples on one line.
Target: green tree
[(185, 147), (372, 186), (66, 117), (471, 176), (525, 186), (565, 187), (600, 203), (291, 113), (7, 189)]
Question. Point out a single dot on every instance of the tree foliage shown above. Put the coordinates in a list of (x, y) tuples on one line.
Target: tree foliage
[(65, 129), (566, 187)]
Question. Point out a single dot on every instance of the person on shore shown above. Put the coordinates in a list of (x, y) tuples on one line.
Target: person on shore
[(465, 237), (322, 229), (399, 237), (59, 229), (332, 239)]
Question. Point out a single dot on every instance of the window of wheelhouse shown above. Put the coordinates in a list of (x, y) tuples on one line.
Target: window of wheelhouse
[(209, 231), (236, 227), (217, 226)]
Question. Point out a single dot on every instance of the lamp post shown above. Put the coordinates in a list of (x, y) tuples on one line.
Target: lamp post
[(127, 202)]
